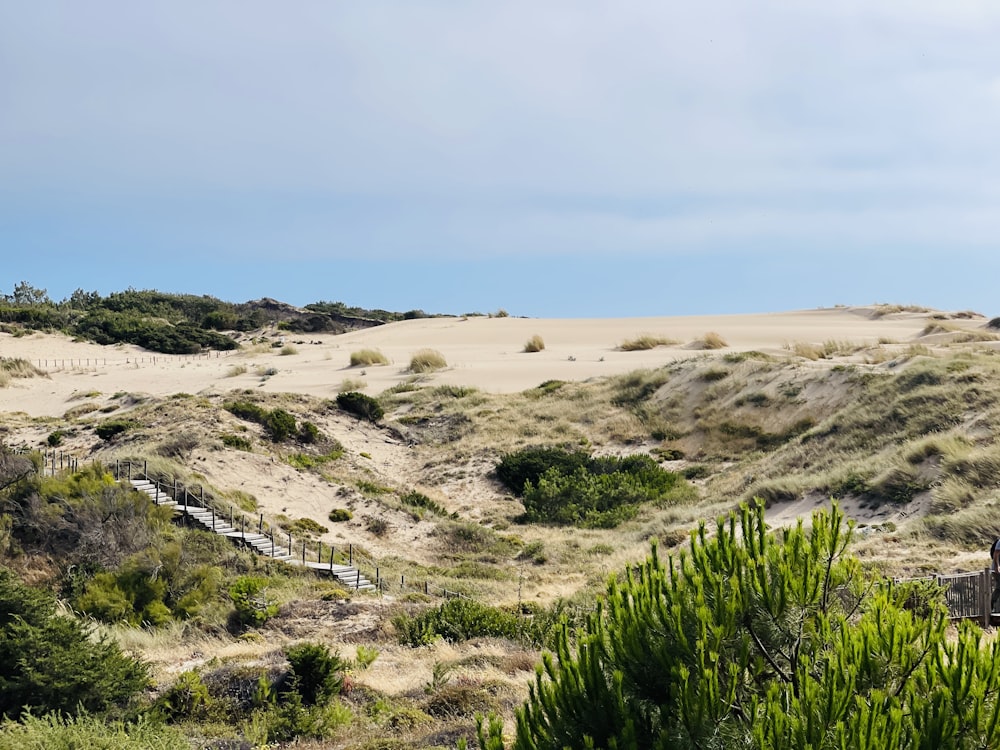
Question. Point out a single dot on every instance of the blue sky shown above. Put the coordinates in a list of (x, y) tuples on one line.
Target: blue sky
[(563, 158)]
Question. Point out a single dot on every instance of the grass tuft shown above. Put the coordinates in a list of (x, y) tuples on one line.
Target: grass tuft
[(534, 344), (644, 342), (427, 360), (368, 358)]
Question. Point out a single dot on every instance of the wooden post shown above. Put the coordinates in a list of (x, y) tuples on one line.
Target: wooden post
[(987, 597), (350, 557), (303, 553), (331, 559), (319, 552)]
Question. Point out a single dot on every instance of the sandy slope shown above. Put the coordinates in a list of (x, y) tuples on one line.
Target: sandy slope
[(483, 352)]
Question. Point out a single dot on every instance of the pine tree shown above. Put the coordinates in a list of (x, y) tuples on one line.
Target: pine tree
[(762, 639)]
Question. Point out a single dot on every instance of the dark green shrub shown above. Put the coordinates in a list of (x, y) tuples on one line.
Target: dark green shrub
[(309, 433), (113, 427), (528, 465), (238, 442), (245, 410), (280, 425), (459, 620), (360, 405), (574, 488), (187, 697), (50, 662), (696, 471), (55, 438), (318, 675), (420, 500), (253, 604), (339, 515)]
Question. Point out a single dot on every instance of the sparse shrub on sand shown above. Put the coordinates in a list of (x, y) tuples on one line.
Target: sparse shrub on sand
[(710, 340), (368, 358), (360, 405), (339, 515), (427, 360), (534, 344), (114, 427), (645, 342)]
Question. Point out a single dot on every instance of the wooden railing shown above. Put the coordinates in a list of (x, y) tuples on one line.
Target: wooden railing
[(968, 595)]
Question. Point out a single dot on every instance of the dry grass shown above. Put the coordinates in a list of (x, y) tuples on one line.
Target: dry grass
[(16, 367), (427, 360), (711, 340), (368, 358), (644, 342), (534, 344), (236, 370), (351, 384), (288, 350)]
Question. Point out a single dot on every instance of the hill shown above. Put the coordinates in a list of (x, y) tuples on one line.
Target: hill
[(894, 412)]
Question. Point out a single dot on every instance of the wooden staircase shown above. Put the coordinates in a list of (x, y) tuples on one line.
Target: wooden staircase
[(259, 542)]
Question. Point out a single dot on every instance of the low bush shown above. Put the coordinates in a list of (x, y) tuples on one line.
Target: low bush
[(427, 360), (460, 620), (238, 442), (110, 429), (360, 405), (318, 675), (254, 606), (528, 465), (50, 662), (339, 515)]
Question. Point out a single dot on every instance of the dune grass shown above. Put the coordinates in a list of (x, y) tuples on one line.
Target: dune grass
[(368, 358), (645, 342), (534, 344), (17, 367), (710, 340), (427, 360)]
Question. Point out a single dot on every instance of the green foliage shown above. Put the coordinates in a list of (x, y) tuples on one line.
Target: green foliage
[(187, 697), (763, 639), (360, 405), (309, 433), (318, 675), (151, 589), (565, 487), (111, 428), (459, 620), (419, 500), (365, 656), (305, 526), (528, 465), (57, 732), (279, 424), (238, 442), (50, 662), (339, 515), (254, 606)]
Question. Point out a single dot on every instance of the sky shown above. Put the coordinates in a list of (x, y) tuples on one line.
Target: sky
[(552, 158)]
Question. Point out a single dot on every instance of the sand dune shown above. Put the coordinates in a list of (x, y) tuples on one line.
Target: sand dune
[(486, 353)]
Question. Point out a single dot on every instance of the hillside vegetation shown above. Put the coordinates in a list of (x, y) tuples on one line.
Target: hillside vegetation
[(532, 509), (173, 323)]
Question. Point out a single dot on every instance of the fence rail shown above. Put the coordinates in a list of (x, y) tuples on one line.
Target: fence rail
[(968, 595)]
